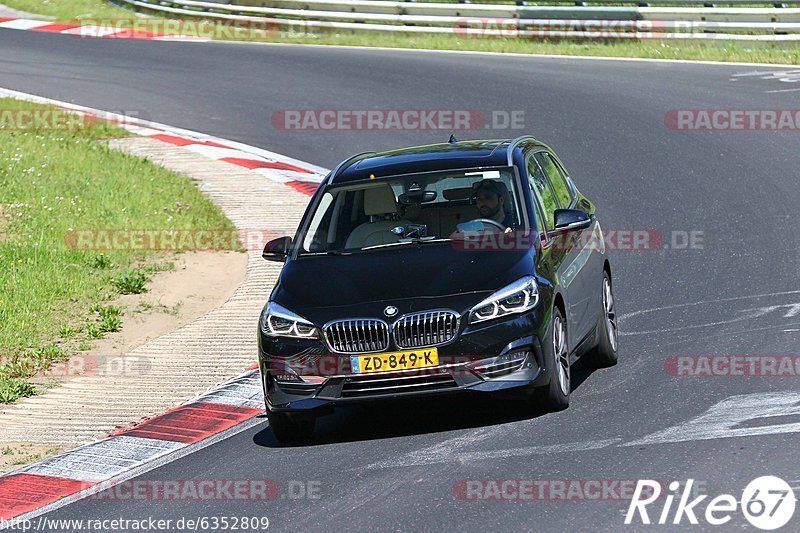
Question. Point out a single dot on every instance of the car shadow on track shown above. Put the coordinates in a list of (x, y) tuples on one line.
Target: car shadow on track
[(400, 418)]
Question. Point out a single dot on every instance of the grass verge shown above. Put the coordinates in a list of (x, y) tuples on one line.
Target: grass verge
[(69, 9), (786, 54), (53, 294)]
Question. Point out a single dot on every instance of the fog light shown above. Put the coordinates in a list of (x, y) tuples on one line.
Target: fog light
[(513, 357), (503, 365)]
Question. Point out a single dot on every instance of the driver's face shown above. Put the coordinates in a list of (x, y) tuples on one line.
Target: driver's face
[(488, 203)]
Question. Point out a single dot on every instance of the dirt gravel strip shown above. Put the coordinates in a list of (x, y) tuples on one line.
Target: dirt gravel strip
[(249, 185)]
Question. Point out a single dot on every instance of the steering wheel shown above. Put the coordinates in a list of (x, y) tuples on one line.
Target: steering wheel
[(490, 222)]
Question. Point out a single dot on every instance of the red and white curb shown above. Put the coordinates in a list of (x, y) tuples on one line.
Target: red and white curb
[(229, 409), (301, 176), (63, 479), (90, 30)]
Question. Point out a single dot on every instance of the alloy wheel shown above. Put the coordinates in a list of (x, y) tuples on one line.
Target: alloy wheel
[(610, 314), (561, 354)]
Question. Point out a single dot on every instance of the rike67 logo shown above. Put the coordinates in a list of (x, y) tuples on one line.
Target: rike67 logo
[(767, 502)]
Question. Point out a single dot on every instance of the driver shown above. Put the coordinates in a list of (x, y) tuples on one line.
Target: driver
[(490, 200)]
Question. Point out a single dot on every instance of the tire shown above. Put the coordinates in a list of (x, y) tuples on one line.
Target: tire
[(290, 427), (555, 395), (605, 354)]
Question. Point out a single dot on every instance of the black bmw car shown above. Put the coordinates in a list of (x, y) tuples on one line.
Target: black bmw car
[(464, 266)]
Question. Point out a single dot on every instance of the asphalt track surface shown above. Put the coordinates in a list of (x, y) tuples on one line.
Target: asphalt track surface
[(395, 467)]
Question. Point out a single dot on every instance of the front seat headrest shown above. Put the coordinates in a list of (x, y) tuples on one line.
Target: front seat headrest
[(379, 201)]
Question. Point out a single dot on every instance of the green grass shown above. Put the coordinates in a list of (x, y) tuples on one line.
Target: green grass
[(131, 282), (54, 183), (69, 9), (13, 388), (110, 318)]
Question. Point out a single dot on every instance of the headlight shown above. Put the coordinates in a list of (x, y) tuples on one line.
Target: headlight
[(277, 321), (520, 296)]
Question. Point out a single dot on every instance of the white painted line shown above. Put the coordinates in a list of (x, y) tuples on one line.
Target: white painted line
[(92, 31), (768, 74), (703, 302), (298, 176), (790, 310), (181, 38), (105, 459), (738, 416), (784, 90), (730, 418), (272, 174), (143, 131), (214, 152), (466, 457), (23, 24), (244, 391)]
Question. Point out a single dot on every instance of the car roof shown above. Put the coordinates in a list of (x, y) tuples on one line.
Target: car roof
[(428, 158)]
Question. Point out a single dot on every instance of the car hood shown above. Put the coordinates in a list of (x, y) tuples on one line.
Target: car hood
[(413, 277)]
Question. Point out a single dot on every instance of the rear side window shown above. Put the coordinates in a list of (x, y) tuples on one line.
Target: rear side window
[(542, 191), (557, 179)]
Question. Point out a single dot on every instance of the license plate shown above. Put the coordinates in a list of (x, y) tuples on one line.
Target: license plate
[(394, 361)]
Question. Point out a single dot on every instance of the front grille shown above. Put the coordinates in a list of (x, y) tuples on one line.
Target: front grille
[(358, 335), (425, 329), (396, 384)]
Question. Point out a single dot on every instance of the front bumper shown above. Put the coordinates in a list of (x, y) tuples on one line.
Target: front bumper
[(494, 357)]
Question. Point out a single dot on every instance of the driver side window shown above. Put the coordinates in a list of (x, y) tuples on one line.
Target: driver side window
[(541, 190)]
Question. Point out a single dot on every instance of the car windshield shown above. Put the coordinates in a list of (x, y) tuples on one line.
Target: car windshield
[(413, 209)]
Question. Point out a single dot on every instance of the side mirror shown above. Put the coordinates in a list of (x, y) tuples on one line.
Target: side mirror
[(571, 220), (277, 249)]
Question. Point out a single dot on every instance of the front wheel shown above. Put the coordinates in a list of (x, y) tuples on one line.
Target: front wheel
[(555, 395), (605, 353), (291, 427)]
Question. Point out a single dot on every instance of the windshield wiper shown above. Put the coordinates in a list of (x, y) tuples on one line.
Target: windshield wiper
[(410, 240), (328, 252)]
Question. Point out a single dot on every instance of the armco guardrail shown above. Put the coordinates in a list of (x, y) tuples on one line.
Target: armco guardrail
[(500, 20)]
